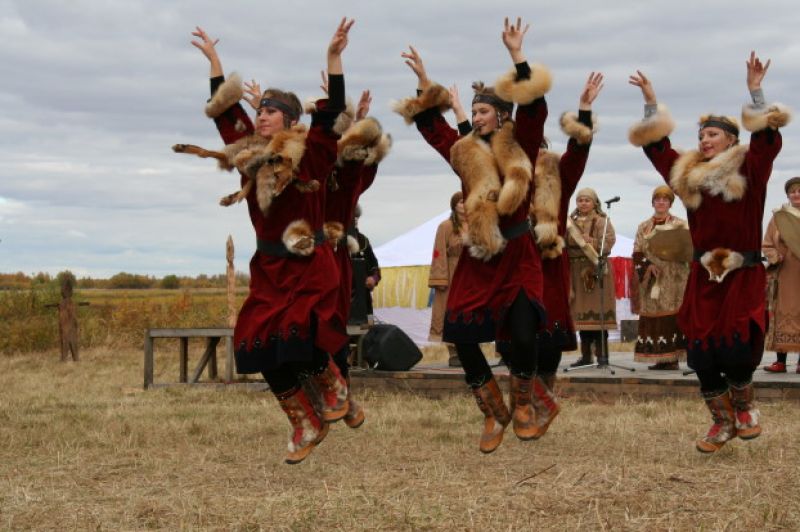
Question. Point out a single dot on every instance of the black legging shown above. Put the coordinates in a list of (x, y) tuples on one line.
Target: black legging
[(340, 357), (523, 322), (713, 382), (549, 355), (289, 376)]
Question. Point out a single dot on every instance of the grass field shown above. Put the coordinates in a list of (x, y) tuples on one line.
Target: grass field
[(83, 447)]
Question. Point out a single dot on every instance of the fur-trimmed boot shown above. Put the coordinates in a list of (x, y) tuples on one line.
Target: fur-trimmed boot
[(586, 354), (747, 414), (724, 427), (332, 390), (520, 396), (490, 401), (308, 429), (355, 414), (544, 402)]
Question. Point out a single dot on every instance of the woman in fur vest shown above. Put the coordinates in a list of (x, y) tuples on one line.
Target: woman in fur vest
[(496, 291), (585, 237), (289, 322), (723, 185), (661, 285), (784, 285)]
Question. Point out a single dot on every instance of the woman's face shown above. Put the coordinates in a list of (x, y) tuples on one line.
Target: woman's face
[(269, 121), (713, 141), (484, 118), (661, 206), (585, 204), (794, 196), (460, 208)]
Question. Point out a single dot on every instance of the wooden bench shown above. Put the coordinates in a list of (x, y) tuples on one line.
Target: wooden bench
[(212, 336)]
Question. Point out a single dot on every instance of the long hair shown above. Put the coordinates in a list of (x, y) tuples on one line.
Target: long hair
[(455, 219)]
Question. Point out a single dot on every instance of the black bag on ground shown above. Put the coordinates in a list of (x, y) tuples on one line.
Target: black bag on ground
[(386, 347)]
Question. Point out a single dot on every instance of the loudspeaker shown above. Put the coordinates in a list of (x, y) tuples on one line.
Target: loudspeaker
[(386, 347)]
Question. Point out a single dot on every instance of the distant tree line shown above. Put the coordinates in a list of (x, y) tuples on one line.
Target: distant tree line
[(20, 280)]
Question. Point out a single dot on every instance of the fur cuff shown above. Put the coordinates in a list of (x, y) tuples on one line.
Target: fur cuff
[(352, 245), (433, 96), (524, 91), (773, 116), (720, 262), (227, 95), (553, 250), (299, 238), (364, 141), (576, 129), (652, 129), (334, 232)]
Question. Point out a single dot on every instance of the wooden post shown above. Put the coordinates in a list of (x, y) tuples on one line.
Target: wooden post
[(148, 360), (184, 359), (231, 273)]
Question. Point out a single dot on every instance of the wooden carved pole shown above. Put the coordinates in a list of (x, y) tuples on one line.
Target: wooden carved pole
[(231, 284)]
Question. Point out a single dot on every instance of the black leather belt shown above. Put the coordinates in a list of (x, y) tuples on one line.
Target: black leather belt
[(279, 249), (750, 258), (515, 231)]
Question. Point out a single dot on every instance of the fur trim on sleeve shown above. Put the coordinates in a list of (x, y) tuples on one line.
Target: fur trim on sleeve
[(433, 96), (358, 139), (227, 95), (652, 129), (773, 116), (524, 91), (576, 129)]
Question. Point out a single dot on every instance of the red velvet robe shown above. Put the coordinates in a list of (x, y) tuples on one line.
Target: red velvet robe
[(481, 292), (292, 306), (728, 317), (556, 270), (352, 179)]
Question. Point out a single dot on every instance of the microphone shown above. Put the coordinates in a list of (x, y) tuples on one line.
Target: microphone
[(612, 200)]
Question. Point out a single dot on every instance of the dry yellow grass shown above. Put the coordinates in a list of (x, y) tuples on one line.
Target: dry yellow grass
[(83, 447)]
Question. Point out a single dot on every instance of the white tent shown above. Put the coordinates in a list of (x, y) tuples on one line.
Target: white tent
[(402, 297)]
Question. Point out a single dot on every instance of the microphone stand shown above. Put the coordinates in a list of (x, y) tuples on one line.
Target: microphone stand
[(602, 359)]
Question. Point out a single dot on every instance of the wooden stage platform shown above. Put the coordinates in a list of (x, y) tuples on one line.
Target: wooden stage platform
[(436, 380)]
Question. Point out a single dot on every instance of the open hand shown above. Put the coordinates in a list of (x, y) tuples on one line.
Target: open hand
[(756, 70), (205, 43), (340, 37), (641, 81), (594, 84), (414, 62), (253, 93), (364, 102), (513, 34)]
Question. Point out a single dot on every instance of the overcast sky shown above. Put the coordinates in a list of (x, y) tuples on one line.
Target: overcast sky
[(94, 93)]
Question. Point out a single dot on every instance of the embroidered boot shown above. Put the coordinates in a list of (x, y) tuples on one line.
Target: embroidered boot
[(747, 414), (724, 427), (355, 414), (490, 401), (522, 414), (332, 390), (308, 429), (544, 402)]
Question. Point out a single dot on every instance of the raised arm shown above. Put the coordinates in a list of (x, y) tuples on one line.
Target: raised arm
[(426, 108), (230, 118), (464, 126), (524, 85), (763, 121), (652, 132), (580, 130)]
